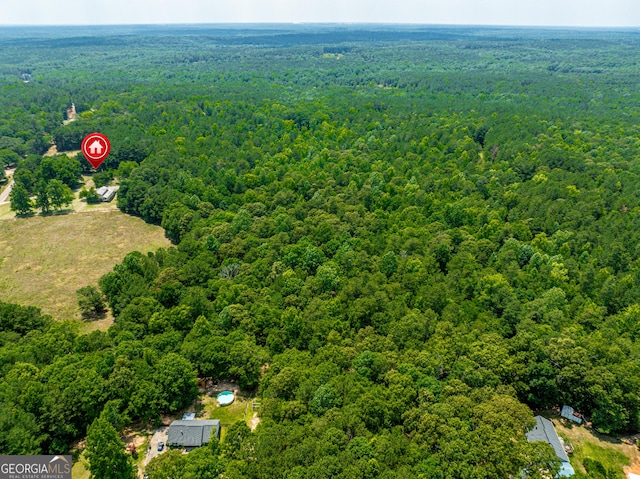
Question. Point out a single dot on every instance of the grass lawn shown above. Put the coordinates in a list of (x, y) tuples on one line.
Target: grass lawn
[(5, 212), (613, 460), (226, 414), (79, 470), (44, 260), (617, 456)]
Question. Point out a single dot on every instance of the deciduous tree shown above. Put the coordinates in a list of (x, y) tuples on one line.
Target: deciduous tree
[(20, 200), (105, 452)]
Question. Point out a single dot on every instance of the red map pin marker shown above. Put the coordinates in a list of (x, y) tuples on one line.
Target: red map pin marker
[(96, 148)]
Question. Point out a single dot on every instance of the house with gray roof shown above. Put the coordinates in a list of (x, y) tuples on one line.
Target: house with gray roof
[(545, 431), (192, 433)]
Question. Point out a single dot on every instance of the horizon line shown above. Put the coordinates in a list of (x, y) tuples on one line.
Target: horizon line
[(353, 23)]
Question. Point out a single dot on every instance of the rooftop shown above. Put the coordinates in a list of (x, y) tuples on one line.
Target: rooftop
[(192, 433), (544, 430)]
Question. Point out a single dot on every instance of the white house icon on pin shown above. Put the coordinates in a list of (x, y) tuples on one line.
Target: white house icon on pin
[(96, 148)]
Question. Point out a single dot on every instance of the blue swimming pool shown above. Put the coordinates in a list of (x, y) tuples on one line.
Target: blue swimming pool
[(225, 398)]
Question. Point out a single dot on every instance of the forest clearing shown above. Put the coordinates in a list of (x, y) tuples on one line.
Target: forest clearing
[(45, 259)]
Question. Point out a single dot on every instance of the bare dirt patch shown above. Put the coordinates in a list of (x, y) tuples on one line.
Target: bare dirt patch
[(254, 421), (53, 150)]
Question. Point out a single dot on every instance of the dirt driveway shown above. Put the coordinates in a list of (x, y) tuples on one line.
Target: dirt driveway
[(159, 436)]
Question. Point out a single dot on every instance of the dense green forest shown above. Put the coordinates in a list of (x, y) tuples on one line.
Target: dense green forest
[(403, 240)]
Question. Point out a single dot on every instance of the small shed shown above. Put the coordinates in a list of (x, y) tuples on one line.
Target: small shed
[(188, 416), (192, 433), (545, 431), (569, 413)]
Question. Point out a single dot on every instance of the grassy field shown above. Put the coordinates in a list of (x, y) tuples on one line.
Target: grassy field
[(44, 260), (617, 456), (5, 212)]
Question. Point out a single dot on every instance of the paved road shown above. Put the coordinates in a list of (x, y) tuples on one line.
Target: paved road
[(4, 196)]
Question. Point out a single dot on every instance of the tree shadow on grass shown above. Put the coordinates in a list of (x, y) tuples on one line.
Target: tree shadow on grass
[(60, 212), (94, 316)]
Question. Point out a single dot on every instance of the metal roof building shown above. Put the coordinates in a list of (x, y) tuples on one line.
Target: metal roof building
[(192, 433), (107, 193), (544, 430), (569, 413)]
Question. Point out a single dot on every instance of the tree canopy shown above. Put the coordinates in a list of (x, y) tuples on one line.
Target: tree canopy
[(402, 245)]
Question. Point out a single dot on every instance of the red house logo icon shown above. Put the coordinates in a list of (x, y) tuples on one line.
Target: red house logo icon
[(96, 148)]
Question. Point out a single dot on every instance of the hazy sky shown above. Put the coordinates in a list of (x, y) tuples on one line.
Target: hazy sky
[(475, 12)]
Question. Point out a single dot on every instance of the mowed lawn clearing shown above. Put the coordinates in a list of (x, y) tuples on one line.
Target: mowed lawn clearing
[(44, 260), (239, 410), (618, 456)]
